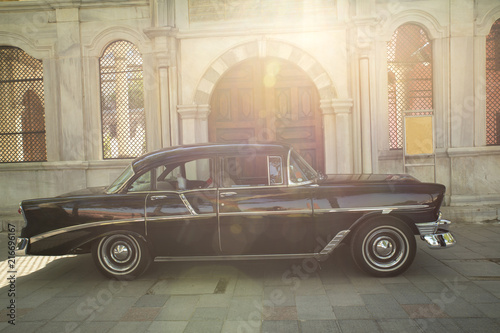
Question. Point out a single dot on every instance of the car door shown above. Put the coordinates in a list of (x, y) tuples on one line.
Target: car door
[(258, 213), (181, 217)]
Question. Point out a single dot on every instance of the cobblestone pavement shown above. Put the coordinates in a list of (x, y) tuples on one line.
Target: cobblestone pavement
[(452, 290)]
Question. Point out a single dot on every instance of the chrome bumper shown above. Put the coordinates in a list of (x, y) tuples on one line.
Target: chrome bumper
[(436, 234), (22, 246)]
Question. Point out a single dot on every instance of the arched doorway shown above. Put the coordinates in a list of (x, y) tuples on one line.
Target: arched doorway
[(268, 100)]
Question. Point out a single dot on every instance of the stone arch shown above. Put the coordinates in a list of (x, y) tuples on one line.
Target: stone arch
[(26, 44), (262, 49), (103, 39), (428, 22), (483, 25)]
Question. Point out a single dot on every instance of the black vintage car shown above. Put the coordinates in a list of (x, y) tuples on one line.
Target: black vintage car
[(237, 201)]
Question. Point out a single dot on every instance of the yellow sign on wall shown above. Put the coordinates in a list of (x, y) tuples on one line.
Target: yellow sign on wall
[(419, 136)]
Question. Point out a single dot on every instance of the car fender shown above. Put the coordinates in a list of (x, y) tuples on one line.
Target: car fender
[(75, 239)]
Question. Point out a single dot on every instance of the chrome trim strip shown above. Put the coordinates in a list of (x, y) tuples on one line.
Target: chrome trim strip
[(308, 182), (158, 197), (146, 215), (426, 228), (79, 227), (217, 209), (334, 242), (227, 194), (287, 166), (173, 191), (243, 187), (25, 221), (444, 224), (268, 212), (383, 209), (180, 217), (268, 172), (187, 204), (21, 246), (236, 257)]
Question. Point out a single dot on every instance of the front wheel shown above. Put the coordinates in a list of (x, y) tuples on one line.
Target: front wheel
[(384, 246), (123, 256)]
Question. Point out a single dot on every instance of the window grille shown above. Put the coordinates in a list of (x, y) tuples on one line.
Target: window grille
[(493, 85), (22, 117), (122, 101), (409, 63)]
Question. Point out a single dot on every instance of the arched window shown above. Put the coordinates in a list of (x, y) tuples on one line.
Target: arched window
[(22, 107), (493, 85), (409, 63), (122, 101)]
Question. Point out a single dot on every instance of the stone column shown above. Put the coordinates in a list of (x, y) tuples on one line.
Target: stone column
[(329, 136), (462, 73), (70, 102), (165, 52), (194, 123), (174, 119), (203, 112), (343, 122), (164, 102), (365, 105)]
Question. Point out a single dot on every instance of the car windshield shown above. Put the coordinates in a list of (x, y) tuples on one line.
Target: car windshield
[(118, 183), (300, 170)]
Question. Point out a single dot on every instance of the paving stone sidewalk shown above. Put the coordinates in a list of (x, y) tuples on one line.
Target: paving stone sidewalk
[(452, 290)]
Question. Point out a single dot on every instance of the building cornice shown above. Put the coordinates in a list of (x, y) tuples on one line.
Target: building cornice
[(23, 6)]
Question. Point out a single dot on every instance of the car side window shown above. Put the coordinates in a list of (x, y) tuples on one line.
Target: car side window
[(253, 170), (143, 183), (300, 171), (185, 175), (275, 170)]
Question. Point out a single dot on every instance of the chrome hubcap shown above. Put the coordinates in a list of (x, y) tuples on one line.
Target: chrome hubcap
[(121, 252), (385, 248)]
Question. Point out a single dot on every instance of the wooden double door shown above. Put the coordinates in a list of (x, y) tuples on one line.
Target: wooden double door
[(268, 100)]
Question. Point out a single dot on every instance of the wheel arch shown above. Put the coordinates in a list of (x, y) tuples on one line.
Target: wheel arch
[(370, 242), (96, 238), (121, 254), (379, 214)]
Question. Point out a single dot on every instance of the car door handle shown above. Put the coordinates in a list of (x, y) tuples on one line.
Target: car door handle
[(158, 197), (227, 194)]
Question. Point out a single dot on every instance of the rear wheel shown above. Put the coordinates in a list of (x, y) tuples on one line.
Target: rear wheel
[(123, 256), (384, 246)]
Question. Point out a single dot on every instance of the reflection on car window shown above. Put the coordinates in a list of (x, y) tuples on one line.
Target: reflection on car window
[(143, 183), (186, 175), (275, 170), (252, 170), (121, 180), (300, 171)]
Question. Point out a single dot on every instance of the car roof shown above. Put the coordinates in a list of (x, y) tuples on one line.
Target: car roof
[(171, 154)]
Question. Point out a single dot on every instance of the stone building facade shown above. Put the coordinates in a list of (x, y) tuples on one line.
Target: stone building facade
[(333, 77)]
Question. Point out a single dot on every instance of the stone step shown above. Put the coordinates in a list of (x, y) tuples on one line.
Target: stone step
[(471, 214)]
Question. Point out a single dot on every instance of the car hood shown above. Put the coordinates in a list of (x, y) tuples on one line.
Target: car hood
[(85, 192), (369, 178)]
